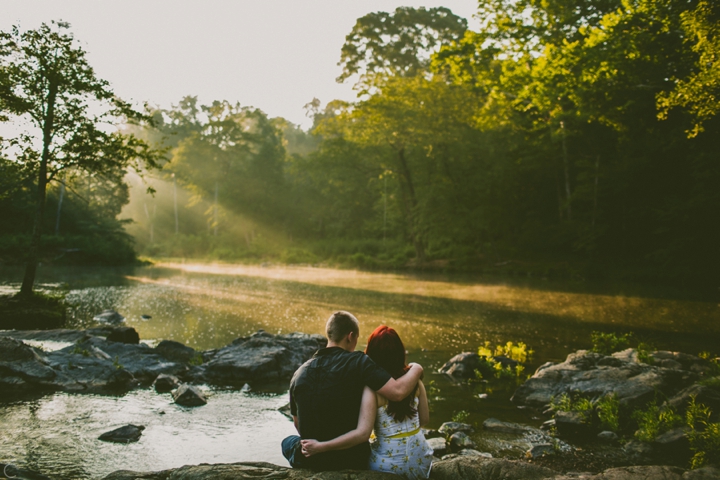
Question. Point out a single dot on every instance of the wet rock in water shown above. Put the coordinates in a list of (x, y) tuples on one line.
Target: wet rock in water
[(259, 357), (126, 434), (448, 428), (109, 316), (22, 368), (472, 467), (166, 383), (462, 365), (175, 351), (124, 335), (572, 424), (438, 445), (608, 437), (540, 450), (495, 425), (461, 440), (13, 350), (189, 396), (593, 375), (11, 471), (285, 410)]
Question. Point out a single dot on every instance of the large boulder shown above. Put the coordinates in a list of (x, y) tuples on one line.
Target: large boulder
[(593, 376), (175, 351), (247, 470), (259, 357), (479, 467), (462, 365), (189, 396), (123, 335), (127, 434)]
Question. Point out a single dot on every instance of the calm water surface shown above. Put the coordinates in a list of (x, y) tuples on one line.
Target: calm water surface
[(207, 306)]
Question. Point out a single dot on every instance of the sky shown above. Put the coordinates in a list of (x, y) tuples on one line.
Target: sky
[(276, 55)]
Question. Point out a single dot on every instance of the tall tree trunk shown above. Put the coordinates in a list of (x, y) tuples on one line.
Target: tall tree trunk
[(32, 259), (567, 172), (411, 205)]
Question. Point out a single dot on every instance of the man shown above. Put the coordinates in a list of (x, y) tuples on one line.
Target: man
[(326, 392)]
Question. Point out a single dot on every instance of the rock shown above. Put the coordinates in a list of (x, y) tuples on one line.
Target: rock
[(260, 357), (548, 424), (704, 473), (593, 375), (495, 425), (11, 471), (469, 452), (572, 425), (438, 445), (471, 468), (448, 428), (109, 316), (189, 396), (461, 440), (175, 351), (540, 450), (673, 444), (285, 410), (166, 383), (462, 365), (649, 472), (126, 434), (12, 350), (637, 448), (124, 335), (709, 397), (248, 471), (431, 433), (607, 436)]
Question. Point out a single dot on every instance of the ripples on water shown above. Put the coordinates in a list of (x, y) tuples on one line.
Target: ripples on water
[(208, 306)]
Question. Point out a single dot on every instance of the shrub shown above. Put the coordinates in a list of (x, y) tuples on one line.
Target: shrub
[(573, 403), (653, 421), (608, 343), (608, 411), (704, 436)]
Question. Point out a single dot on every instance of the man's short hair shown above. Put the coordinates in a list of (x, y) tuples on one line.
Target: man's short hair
[(340, 324)]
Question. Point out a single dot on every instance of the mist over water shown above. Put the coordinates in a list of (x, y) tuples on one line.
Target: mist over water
[(209, 305)]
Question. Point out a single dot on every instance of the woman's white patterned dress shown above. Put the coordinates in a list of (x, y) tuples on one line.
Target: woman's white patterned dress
[(400, 447)]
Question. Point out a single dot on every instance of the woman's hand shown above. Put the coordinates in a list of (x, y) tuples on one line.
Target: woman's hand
[(311, 447)]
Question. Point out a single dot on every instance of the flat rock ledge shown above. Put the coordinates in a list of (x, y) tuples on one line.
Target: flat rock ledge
[(94, 363), (593, 375), (458, 468)]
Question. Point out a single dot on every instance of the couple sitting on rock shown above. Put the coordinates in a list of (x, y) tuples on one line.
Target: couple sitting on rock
[(339, 396)]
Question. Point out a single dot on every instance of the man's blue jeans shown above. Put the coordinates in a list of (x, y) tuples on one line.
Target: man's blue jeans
[(291, 451)]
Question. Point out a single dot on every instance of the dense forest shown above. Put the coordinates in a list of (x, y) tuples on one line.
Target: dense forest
[(563, 138)]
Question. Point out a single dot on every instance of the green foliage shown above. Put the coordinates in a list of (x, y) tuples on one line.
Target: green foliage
[(608, 412), (77, 350), (196, 360), (117, 364), (704, 436), (573, 403), (461, 416), (653, 420), (608, 343), (644, 350)]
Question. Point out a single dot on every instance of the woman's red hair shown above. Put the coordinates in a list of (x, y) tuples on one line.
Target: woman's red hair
[(386, 349)]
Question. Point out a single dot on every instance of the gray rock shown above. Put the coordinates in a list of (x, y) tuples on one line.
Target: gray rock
[(709, 397), (431, 433), (12, 350), (175, 351), (572, 424), (472, 468), (540, 450), (495, 425), (673, 444), (123, 335), (460, 441), (448, 428), (593, 376), (607, 436), (126, 434), (286, 410), (638, 448), (704, 473), (462, 365), (189, 396), (548, 424), (438, 445), (260, 357), (248, 471), (165, 383), (109, 316)]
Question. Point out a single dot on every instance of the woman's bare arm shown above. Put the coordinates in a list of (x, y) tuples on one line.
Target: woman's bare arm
[(366, 420), (423, 408)]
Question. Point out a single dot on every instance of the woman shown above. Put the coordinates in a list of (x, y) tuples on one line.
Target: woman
[(399, 446)]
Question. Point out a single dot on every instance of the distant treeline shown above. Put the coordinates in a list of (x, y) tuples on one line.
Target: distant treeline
[(576, 139)]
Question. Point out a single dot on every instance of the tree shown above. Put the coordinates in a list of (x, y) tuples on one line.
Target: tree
[(399, 43), (50, 86)]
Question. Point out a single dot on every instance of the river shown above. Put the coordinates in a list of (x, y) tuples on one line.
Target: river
[(207, 306)]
